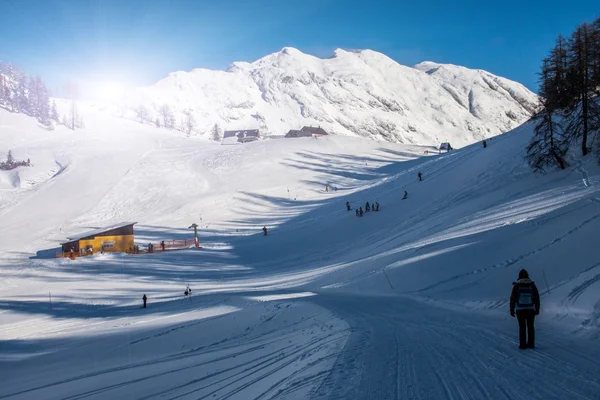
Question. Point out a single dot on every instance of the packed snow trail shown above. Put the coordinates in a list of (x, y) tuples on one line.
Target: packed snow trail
[(403, 349)]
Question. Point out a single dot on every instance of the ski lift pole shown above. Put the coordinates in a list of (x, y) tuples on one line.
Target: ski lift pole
[(195, 226)]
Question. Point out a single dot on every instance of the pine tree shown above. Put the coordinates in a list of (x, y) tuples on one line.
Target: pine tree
[(142, 113), (42, 102), (54, 112), (585, 113), (189, 122), (216, 133), (547, 147), (167, 116), (20, 99), (558, 93), (157, 122), (3, 87)]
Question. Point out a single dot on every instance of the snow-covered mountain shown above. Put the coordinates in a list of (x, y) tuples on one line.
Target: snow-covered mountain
[(356, 93)]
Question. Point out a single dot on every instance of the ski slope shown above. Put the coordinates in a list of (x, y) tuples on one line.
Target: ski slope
[(407, 302)]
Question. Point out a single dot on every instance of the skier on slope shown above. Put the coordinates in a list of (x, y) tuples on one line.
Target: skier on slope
[(360, 211), (348, 205), (376, 206), (525, 299), (144, 298), (367, 207), (357, 213), (405, 195), (420, 175), (265, 230)]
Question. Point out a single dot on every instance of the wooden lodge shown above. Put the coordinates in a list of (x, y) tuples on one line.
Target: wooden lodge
[(114, 238)]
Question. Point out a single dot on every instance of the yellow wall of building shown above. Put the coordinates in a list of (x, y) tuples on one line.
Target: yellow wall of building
[(119, 243)]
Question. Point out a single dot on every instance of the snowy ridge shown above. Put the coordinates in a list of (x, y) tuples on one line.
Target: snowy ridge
[(355, 93)]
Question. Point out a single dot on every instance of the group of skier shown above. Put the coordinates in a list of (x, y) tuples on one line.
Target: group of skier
[(368, 207)]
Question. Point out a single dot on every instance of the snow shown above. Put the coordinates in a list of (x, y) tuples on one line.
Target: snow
[(407, 302), (355, 93)]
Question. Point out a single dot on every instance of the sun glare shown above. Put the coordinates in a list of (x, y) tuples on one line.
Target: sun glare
[(106, 91)]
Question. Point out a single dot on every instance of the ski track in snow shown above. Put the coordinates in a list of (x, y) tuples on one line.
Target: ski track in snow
[(407, 350)]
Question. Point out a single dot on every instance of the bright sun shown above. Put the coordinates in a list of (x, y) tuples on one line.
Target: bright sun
[(109, 90)]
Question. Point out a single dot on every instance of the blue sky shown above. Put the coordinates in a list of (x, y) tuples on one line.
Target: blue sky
[(139, 42)]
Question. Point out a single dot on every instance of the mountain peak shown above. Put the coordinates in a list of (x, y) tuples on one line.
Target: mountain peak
[(356, 92)]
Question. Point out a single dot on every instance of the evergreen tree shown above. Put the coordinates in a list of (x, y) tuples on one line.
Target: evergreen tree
[(547, 147), (42, 102), (584, 117), (142, 113), (216, 133), (189, 122), (157, 122), (171, 122), (54, 113), (20, 98), (557, 90)]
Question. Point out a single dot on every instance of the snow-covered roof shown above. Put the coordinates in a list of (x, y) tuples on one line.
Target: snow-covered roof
[(241, 133), (99, 230), (314, 130)]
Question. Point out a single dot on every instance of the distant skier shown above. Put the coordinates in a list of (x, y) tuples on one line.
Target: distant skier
[(326, 188), (162, 244), (376, 206), (367, 207), (525, 299), (405, 195), (357, 213), (420, 175), (484, 144), (144, 298), (360, 212), (188, 291), (265, 230), (348, 206)]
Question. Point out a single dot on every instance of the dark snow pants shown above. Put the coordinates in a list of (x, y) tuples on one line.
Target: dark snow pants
[(526, 319)]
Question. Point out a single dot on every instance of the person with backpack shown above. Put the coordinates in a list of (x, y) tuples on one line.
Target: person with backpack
[(144, 298), (360, 212), (348, 205), (357, 213), (376, 206), (525, 303), (265, 230), (367, 207), (420, 175)]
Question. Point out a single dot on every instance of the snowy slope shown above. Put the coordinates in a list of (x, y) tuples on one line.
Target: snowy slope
[(355, 93), (306, 312)]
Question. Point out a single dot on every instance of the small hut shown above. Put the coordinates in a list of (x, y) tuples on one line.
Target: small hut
[(113, 238)]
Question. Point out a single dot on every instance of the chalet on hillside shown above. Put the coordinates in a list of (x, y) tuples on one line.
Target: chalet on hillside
[(240, 136), (307, 131)]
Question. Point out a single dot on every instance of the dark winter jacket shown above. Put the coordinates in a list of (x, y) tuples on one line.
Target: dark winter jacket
[(524, 285)]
